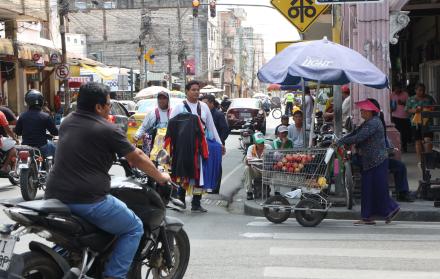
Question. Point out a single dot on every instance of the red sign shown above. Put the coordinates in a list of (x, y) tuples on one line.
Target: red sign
[(62, 71)]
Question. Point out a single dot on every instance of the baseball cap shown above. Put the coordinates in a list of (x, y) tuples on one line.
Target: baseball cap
[(367, 105), (258, 138), (282, 129), (345, 89)]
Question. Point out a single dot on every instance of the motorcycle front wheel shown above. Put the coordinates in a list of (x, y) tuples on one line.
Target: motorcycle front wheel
[(37, 265)]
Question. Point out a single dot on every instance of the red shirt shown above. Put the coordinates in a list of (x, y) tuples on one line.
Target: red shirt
[(3, 120)]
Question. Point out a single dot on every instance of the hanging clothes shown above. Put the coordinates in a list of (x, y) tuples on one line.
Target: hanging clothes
[(211, 167), (186, 139)]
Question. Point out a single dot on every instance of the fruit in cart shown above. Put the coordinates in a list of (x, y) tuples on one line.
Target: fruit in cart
[(289, 157), (295, 165), (275, 167), (300, 166), (291, 170), (284, 168), (284, 160), (297, 170), (322, 181), (280, 165)]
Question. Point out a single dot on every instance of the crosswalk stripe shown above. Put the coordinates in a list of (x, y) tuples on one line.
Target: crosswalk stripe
[(345, 237), (355, 252), (327, 273)]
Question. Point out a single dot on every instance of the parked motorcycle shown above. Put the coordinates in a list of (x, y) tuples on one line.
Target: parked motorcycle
[(246, 138), (81, 250), (32, 169)]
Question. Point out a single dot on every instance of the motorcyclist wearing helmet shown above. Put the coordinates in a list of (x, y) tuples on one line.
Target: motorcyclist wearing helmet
[(33, 124), (225, 103)]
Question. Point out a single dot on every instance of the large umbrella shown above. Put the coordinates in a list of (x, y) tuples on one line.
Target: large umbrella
[(150, 92), (210, 89), (322, 61)]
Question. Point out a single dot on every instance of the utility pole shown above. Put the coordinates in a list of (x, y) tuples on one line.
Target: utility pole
[(253, 70), (197, 47), (170, 70), (182, 55), (63, 8), (223, 55)]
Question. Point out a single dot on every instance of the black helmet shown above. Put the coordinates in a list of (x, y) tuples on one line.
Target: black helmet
[(34, 98)]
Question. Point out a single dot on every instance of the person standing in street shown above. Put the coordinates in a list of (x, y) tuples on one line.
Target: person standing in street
[(414, 106), (370, 140), (308, 106), (284, 122), (157, 118), (193, 106), (399, 116), (289, 99), (222, 128)]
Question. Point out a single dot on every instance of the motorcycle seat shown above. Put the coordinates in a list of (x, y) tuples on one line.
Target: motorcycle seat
[(46, 206)]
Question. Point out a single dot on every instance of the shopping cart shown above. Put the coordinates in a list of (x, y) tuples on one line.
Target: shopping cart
[(297, 179)]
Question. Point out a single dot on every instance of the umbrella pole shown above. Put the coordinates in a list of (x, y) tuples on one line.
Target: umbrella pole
[(312, 126), (304, 112)]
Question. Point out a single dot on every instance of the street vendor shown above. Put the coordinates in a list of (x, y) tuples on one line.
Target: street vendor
[(296, 130), (255, 151)]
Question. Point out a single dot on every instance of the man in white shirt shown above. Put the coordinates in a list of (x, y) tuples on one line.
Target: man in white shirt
[(345, 90), (296, 131), (201, 109), (255, 151)]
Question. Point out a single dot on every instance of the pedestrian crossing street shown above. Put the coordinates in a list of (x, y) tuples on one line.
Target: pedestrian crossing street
[(336, 249)]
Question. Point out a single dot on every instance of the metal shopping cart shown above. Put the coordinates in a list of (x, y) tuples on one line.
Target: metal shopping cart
[(298, 179)]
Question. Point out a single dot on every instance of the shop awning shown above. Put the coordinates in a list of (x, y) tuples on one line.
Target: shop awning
[(26, 51), (103, 72), (6, 47)]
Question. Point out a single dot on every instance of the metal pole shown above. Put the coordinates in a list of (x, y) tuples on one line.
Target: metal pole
[(312, 126), (197, 47), (303, 83), (337, 107), (170, 70), (182, 55), (132, 83), (253, 70), (62, 11)]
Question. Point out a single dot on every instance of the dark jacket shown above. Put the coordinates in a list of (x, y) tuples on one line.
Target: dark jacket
[(220, 124), (32, 126)]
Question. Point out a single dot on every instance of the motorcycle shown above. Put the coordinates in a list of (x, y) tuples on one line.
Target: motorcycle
[(246, 138), (81, 250), (32, 169)]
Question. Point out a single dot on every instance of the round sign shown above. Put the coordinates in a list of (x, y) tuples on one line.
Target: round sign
[(36, 56), (62, 71)]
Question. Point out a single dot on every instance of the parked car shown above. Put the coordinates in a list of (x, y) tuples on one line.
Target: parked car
[(142, 108), (118, 114), (243, 109)]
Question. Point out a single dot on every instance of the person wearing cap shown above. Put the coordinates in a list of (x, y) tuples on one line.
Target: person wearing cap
[(156, 118), (284, 122), (370, 140), (296, 130), (255, 151), (282, 141), (329, 113)]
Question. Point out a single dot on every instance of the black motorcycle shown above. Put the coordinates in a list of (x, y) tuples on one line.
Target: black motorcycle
[(81, 249), (32, 169), (246, 138)]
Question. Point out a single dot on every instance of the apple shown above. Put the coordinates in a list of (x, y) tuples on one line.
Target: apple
[(275, 167), (297, 170), (295, 165), (284, 168), (284, 160), (280, 165), (291, 170), (289, 165), (289, 157), (300, 166)]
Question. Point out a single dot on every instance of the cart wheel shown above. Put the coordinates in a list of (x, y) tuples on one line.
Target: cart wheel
[(276, 215), (348, 185), (309, 218)]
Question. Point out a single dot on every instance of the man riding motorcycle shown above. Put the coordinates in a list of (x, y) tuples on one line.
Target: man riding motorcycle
[(7, 145), (79, 178), (33, 124)]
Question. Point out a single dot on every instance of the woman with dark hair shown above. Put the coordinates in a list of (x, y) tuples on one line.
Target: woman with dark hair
[(370, 140)]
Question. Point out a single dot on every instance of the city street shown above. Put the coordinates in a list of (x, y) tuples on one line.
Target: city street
[(227, 244)]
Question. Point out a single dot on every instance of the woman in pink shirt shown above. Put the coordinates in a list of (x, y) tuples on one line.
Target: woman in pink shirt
[(399, 116)]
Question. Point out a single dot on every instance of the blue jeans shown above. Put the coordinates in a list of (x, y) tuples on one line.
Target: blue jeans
[(48, 149), (113, 216)]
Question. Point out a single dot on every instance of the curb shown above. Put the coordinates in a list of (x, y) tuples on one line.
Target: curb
[(420, 214)]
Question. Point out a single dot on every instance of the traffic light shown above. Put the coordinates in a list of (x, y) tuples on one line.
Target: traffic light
[(212, 8), (137, 82), (195, 4), (149, 56), (130, 78)]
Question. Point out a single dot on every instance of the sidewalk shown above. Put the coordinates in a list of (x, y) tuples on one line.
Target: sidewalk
[(420, 210)]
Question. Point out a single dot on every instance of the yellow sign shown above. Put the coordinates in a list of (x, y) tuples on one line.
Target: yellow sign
[(301, 13), (149, 56), (279, 46)]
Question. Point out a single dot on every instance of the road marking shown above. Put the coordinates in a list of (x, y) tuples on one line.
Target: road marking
[(327, 273), (231, 172), (346, 237), (355, 252)]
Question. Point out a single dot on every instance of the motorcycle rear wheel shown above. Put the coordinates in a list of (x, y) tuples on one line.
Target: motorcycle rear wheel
[(28, 183), (39, 266), (180, 249)]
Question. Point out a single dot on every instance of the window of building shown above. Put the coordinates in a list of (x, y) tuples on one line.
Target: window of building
[(82, 42), (44, 32), (75, 41)]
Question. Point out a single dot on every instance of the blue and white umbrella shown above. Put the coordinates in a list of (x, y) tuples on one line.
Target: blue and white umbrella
[(323, 61)]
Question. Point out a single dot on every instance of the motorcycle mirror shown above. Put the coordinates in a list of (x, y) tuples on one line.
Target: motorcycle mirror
[(162, 157)]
